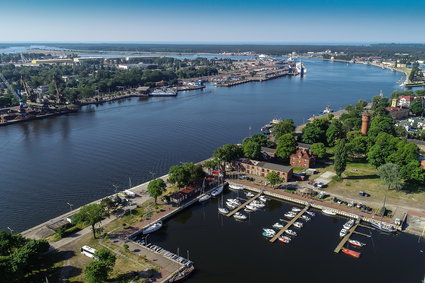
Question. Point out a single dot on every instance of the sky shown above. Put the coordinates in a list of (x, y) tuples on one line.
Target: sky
[(218, 21)]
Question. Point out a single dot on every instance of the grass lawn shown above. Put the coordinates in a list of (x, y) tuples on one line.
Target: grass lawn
[(363, 177)]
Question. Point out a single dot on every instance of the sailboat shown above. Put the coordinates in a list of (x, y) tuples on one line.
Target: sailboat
[(204, 197), (382, 226)]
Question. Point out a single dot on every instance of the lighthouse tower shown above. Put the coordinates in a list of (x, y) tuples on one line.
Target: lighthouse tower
[(365, 123)]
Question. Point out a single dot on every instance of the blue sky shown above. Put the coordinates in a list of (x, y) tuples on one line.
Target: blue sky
[(308, 21)]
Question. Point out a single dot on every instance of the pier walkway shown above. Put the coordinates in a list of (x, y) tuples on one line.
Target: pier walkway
[(345, 238), (244, 204), (289, 224)]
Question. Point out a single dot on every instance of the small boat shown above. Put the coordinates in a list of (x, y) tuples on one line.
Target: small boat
[(249, 194), (277, 225), (305, 218), (289, 215), (263, 199), (152, 228), (311, 213), (343, 232), (251, 206), (351, 253), (290, 232), (296, 209), (269, 234), (217, 191), (349, 224), (328, 212), (356, 243), (258, 204), (204, 197), (236, 187), (248, 210), (384, 227), (298, 225), (269, 230), (284, 239), (234, 201), (223, 210), (239, 216), (231, 205)]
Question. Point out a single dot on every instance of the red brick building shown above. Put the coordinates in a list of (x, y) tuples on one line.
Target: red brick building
[(302, 158)]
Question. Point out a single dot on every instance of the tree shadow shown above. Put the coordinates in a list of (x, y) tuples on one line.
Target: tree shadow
[(150, 275), (362, 177)]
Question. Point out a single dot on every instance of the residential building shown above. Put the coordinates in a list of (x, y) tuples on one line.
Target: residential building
[(302, 158), (405, 101), (398, 112)]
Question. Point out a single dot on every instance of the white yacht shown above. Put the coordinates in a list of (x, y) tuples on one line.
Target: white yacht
[(217, 191), (298, 225), (152, 228), (204, 197), (236, 187), (277, 225), (223, 210), (239, 216)]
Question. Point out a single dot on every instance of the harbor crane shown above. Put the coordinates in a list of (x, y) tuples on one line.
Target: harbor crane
[(30, 94), (17, 93)]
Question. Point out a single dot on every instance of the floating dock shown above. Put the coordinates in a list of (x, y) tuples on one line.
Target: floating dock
[(289, 224), (345, 238), (244, 204)]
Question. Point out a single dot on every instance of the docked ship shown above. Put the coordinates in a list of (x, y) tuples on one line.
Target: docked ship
[(301, 69), (164, 92), (266, 129)]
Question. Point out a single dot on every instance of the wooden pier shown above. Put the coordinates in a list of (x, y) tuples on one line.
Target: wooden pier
[(289, 224), (346, 238), (243, 205)]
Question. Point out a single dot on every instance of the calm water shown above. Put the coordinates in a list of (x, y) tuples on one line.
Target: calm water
[(225, 250), (77, 158)]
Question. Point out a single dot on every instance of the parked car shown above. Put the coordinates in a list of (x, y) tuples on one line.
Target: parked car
[(363, 194)]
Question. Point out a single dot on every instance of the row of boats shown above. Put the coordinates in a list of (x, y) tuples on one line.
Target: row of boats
[(286, 239), (233, 203)]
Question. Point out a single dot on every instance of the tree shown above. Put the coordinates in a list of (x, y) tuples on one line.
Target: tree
[(251, 150), (340, 162), (357, 147), (334, 132), (318, 149), (228, 152), (390, 175), (211, 164), (258, 138), (381, 124), (105, 255), (286, 126), (286, 145), (185, 174), (315, 131), (156, 188), (97, 271), (412, 173), (273, 178), (416, 107), (91, 214)]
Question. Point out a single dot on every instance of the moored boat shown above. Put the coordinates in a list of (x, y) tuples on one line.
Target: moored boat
[(311, 213), (249, 194), (152, 228), (343, 232), (204, 197), (223, 210), (231, 205), (217, 191), (239, 216), (384, 227), (269, 234), (289, 215), (263, 198), (298, 225), (284, 239), (356, 243), (277, 225), (236, 187), (296, 209), (351, 253), (291, 232), (349, 224), (328, 212), (305, 218)]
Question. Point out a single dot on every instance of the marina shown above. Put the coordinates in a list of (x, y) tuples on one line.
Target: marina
[(244, 204), (289, 224)]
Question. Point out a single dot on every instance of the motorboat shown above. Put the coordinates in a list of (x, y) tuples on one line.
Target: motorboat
[(349, 224), (298, 225), (249, 194), (258, 204), (236, 187), (384, 227), (251, 207), (328, 212), (240, 216), (152, 228), (269, 234), (269, 230), (277, 225), (231, 205), (263, 198), (305, 218), (284, 239), (296, 209), (311, 213), (343, 232), (246, 209), (356, 243), (234, 201), (223, 210), (351, 253), (217, 191), (204, 197), (291, 232), (289, 215)]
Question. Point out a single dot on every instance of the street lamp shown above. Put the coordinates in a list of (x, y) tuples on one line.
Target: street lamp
[(70, 206)]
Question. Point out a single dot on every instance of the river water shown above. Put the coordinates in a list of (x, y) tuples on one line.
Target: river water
[(77, 158), (226, 250)]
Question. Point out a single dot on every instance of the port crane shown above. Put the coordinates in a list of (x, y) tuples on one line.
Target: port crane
[(30, 94), (17, 93)]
